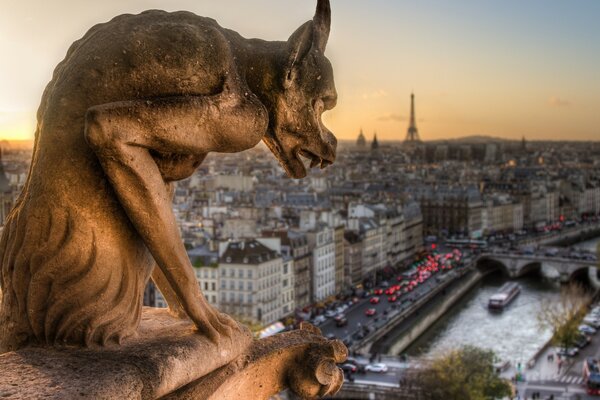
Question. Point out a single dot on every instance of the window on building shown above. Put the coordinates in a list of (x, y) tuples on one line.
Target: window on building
[(213, 286)]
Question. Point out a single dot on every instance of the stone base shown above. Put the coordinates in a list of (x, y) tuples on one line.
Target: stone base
[(169, 360)]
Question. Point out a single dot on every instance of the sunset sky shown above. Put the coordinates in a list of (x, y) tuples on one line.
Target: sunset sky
[(506, 68)]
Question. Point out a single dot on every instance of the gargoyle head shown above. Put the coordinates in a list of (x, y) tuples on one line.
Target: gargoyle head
[(307, 90)]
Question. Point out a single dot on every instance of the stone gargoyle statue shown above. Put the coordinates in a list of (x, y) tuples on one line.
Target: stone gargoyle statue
[(136, 105)]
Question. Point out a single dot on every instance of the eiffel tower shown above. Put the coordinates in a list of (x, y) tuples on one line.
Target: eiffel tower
[(412, 135)]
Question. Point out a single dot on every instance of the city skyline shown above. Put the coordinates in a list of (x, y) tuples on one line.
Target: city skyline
[(497, 69)]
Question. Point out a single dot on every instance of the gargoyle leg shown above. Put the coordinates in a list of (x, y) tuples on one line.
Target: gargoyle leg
[(123, 134)]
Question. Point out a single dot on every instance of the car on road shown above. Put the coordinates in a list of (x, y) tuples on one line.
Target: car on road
[(392, 299), (370, 312), (340, 321), (347, 367), (341, 308), (374, 300), (359, 335), (330, 313), (378, 292), (377, 367), (319, 319)]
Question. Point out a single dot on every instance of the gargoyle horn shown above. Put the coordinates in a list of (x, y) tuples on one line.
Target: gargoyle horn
[(322, 24)]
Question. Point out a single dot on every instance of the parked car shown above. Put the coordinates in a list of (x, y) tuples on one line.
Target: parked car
[(378, 292), (392, 299), (340, 321), (377, 367), (582, 341), (374, 300), (319, 319), (370, 312), (586, 329), (592, 321), (330, 313), (567, 352)]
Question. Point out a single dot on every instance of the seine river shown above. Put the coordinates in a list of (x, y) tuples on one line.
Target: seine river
[(513, 335)]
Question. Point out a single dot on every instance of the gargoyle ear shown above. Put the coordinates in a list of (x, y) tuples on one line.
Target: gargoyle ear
[(322, 24), (298, 46)]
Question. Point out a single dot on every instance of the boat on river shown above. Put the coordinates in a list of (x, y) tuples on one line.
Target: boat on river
[(507, 293)]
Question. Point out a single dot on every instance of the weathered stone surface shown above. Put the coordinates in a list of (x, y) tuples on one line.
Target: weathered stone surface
[(137, 104), (302, 360), (169, 359), (167, 354)]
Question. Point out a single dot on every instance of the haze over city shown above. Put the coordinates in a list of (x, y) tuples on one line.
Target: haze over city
[(505, 69)]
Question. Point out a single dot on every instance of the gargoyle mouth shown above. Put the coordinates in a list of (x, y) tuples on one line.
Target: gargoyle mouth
[(315, 159), (290, 156)]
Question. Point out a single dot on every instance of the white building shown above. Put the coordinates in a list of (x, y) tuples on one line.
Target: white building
[(251, 281), (321, 240), (288, 293)]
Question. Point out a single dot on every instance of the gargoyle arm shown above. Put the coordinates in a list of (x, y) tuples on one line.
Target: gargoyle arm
[(123, 134)]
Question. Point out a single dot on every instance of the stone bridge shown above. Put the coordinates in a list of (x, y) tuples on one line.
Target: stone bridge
[(518, 265)]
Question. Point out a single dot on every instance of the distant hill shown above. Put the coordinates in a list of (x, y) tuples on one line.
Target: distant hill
[(475, 139), (463, 139)]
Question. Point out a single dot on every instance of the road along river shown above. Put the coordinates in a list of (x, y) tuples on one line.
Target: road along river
[(514, 335)]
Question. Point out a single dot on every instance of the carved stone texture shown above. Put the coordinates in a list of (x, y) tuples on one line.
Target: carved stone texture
[(166, 355), (169, 361), (137, 104), (302, 360)]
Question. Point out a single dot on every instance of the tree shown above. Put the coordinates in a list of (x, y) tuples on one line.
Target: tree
[(563, 315), (466, 373)]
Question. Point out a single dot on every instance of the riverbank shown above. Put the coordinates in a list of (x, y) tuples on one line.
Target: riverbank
[(412, 327), (407, 316), (565, 237)]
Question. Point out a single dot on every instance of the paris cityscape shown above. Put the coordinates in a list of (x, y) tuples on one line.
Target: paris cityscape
[(396, 248), (450, 241)]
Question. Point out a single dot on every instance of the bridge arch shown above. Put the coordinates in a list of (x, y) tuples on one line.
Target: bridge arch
[(487, 265), (529, 268), (590, 274)]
